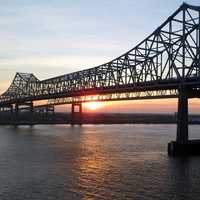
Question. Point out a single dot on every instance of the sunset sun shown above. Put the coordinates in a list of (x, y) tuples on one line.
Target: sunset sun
[(93, 106)]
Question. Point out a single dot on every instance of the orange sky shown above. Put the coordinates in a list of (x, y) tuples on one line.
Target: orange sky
[(138, 106)]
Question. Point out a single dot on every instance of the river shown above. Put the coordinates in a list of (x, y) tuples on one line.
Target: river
[(95, 162)]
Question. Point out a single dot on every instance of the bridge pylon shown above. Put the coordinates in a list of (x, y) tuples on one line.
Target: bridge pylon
[(183, 146), (182, 116)]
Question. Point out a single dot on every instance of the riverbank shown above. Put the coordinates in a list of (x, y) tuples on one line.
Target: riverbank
[(94, 118)]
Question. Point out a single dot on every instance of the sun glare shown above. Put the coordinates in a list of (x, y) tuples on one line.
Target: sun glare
[(93, 106)]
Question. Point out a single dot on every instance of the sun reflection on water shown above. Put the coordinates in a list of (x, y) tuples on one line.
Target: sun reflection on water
[(94, 167)]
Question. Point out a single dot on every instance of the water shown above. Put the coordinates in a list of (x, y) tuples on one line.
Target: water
[(95, 162)]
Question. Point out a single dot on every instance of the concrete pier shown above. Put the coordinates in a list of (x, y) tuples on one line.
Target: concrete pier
[(192, 147), (183, 146)]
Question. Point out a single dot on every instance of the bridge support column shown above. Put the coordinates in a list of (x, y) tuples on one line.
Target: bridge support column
[(49, 113), (76, 105), (11, 108), (51, 109), (1, 109), (183, 146), (31, 107), (16, 108), (182, 117), (31, 111), (76, 111)]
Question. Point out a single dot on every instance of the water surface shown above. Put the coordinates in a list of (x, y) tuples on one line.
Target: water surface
[(95, 162)]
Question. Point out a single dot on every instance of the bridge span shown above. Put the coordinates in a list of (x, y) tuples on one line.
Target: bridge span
[(166, 64)]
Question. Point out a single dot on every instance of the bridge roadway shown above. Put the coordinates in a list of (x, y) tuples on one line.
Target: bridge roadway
[(166, 64)]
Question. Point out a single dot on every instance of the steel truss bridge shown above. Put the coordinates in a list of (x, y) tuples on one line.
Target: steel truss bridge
[(166, 64)]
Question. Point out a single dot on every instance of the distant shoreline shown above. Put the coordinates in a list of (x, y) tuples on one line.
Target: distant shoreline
[(94, 118)]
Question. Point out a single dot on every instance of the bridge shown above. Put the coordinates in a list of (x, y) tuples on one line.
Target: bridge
[(166, 64)]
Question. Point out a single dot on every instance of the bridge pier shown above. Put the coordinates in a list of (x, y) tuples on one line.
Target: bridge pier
[(31, 107), (6, 108), (49, 112), (16, 108), (28, 104), (11, 108), (182, 117), (76, 105), (76, 111), (183, 146), (50, 109)]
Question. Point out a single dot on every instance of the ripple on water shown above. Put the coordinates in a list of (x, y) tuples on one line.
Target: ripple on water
[(95, 162)]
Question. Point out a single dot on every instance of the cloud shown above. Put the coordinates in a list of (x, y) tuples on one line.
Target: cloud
[(47, 66)]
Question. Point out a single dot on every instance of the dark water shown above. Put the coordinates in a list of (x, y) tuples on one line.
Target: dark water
[(95, 162)]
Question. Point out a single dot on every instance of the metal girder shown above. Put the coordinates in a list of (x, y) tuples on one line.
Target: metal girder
[(140, 95), (170, 55)]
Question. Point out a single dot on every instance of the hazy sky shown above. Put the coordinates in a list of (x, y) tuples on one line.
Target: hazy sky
[(54, 37)]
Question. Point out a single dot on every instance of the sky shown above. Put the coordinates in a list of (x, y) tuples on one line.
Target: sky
[(55, 37)]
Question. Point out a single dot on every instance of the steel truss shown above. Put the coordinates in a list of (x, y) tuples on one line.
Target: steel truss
[(116, 97), (166, 59)]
